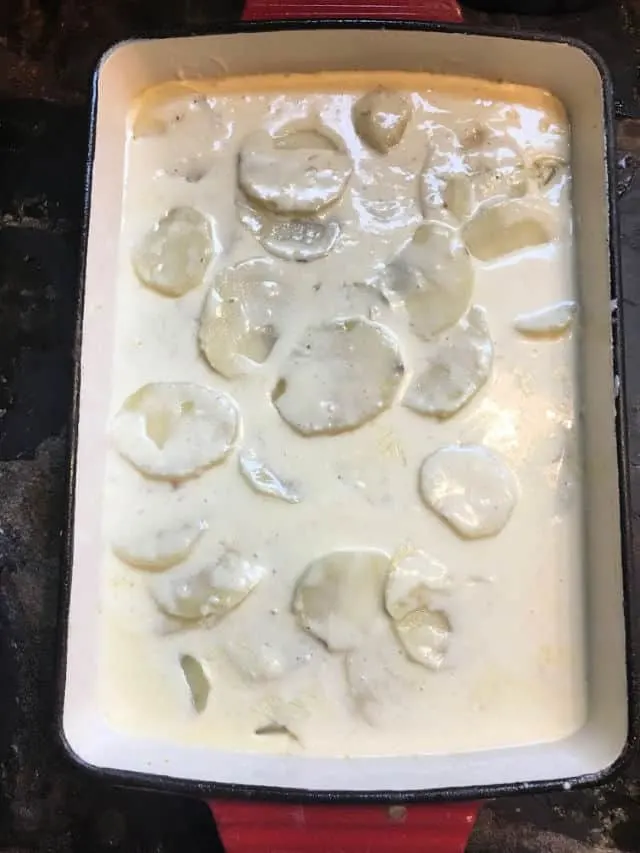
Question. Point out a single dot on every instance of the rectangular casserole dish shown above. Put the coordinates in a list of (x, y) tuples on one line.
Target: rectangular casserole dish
[(573, 75)]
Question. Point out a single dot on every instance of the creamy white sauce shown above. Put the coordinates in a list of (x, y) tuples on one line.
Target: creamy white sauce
[(513, 668)]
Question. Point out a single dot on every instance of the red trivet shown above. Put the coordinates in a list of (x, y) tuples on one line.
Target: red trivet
[(250, 827), (402, 10)]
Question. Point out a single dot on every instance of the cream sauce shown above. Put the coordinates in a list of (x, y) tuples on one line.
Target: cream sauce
[(513, 672)]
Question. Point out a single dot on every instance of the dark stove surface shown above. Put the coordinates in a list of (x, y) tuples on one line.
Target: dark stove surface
[(47, 51)]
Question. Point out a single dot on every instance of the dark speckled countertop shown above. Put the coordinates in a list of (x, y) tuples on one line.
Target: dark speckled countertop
[(47, 51)]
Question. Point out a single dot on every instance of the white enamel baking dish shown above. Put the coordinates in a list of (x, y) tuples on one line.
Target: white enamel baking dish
[(577, 79)]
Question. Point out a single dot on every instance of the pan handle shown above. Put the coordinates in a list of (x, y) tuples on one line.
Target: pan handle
[(401, 10), (248, 827)]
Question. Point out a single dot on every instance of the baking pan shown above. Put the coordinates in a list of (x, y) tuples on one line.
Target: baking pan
[(576, 77)]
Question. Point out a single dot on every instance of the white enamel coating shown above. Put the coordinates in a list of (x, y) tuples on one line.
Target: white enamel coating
[(572, 76)]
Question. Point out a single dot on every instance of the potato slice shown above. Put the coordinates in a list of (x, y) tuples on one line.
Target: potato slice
[(340, 375), (339, 596), (302, 172), (278, 649), (286, 714), (456, 370), (547, 170), (175, 430), (458, 195), (190, 169), (548, 322), (496, 166), (412, 583), (301, 240), (444, 160), (505, 227), (211, 591), (380, 118), (292, 239), (425, 636), (263, 480), (470, 487), (173, 256), (164, 107), (432, 277), (147, 547), (239, 320), (197, 681), (380, 678), (467, 168)]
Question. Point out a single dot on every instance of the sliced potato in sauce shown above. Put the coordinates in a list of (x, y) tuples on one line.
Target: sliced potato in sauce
[(505, 227), (276, 650), (175, 430), (339, 596), (496, 166), (456, 369), (413, 582), (211, 590), (264, 480), (425, 636), (173, 256), (380, 118), (340, 375), (239, 323), (301, 239), (302, 172), (148, 547), (470, 487), (550, 321), (381, 679), (197, 681), (547, 170), (458, 196), (164, 107), (432, 277), (444, 161)]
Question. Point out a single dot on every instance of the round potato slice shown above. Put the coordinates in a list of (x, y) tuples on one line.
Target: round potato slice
[(239, 320), (495, 164), (175, 430), (413, 582), (425, 636), (466, 168), (547, 170), (456, 370), (444, 183), (190, 169), (156, 549), (173, 256), (264, 480), (292, 239), (381, 680), (505, 227), (432, 277), (197, 681), (548, 322), (340, 375), (302, 172), (301, 240), (380, 118), (339, 597), (458, 195), (211, 591), (162, 108), (470, 487), (277, 650)]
